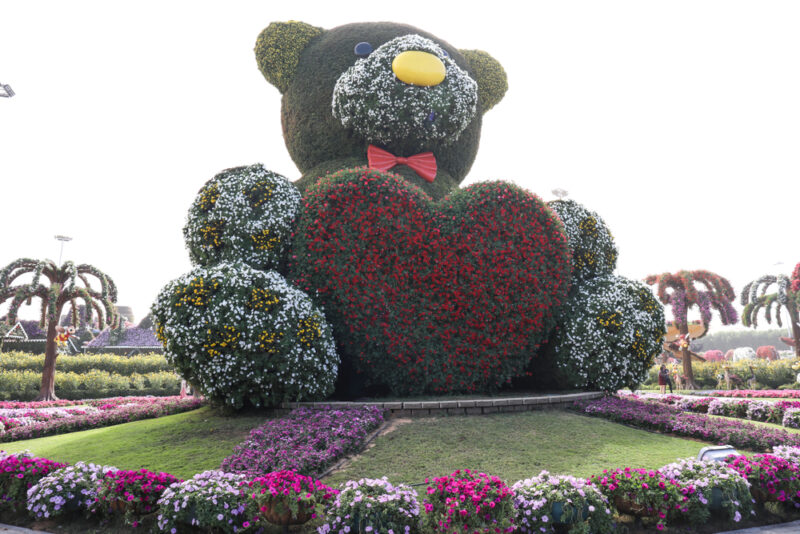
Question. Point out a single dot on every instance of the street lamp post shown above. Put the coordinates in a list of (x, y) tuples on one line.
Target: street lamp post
[(63, 240), (560, 193)]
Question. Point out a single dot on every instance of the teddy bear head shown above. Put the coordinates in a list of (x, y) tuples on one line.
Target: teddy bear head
[(367, 93)]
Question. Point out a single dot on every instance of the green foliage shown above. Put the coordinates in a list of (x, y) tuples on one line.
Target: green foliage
[(490, 75), (83, 363), (24, 384), (610, 333), (278, 50), (769, 374), (590, 241), (244, 336), (242, 214), (729, 340)]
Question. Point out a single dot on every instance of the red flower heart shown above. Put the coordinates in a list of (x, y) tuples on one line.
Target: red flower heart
[(431, 297)]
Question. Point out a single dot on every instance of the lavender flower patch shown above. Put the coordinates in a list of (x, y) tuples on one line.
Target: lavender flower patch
[(306, 441), (671, 419)]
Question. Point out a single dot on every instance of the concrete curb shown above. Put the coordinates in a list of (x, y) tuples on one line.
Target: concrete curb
[(778, 528), (13, 528)]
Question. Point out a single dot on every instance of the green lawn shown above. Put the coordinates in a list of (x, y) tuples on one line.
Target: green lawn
[(513, 447), (182, 444)]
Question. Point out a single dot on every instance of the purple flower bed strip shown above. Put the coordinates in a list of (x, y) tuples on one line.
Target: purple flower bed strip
[(306, 441), (111, 413), (665, 418)]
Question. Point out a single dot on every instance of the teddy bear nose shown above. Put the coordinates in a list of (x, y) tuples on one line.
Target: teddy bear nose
[(419, 68)]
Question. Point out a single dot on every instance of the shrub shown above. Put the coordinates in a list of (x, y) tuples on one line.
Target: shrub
[(643, 492), (286, 492), (240, 335), (545, 500), (242, 214), (135, 492), (711, 480), (590, 241), (211, 501), (770, 477), (372, 505), (24, 385), (611, 331), (791, 418), (19, 473), (68, 490), (468, 501)]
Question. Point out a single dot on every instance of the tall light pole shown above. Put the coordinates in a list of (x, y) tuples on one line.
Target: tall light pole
[(6, 91), (63, 240), (560, 193)]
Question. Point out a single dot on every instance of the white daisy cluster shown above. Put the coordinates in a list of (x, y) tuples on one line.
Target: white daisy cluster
[(240, 334), (611, 332), (242, 214), (590, 241), (369, 99)]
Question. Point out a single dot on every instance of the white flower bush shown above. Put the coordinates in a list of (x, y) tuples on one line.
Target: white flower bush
[(715, 485), (791, 419), (610, 332), (67, 490), (241, 335), (210, 501), (372, 505), (242, 214), (788, 453), (369, 99), (590, 241), (545, 500), (744, 353)]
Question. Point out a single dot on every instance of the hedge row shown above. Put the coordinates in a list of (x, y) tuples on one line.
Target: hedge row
[(769, 374), (24, 385), (83, 363)]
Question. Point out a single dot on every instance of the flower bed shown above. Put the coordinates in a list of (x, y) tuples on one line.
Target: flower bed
[(18, 473), (133, 493), (66, 490), (772, 478), (468, 501), (28, 420), (671, 419), (372, 505), (759, 393), (307, 441)]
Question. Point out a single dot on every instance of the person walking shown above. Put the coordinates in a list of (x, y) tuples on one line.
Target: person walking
[(663, 379)]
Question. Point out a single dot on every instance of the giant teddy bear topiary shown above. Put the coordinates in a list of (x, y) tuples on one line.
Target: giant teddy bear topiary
[(427, 287), (343, 91)]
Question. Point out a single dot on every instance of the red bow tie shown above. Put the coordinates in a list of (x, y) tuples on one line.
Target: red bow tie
[(423, 164)]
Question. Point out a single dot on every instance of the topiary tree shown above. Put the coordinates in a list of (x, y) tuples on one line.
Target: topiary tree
[(767, 352), (610, 334), (755, 299), (66, 284), (590, 241), (678, 290), (245, 336)]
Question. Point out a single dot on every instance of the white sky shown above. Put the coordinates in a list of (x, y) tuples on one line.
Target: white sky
[(678, 122)]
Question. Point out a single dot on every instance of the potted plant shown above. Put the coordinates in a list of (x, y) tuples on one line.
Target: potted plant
[(288, 498)]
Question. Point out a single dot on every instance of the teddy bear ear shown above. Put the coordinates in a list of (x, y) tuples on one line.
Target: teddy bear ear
[(491, 77), (278, 50)]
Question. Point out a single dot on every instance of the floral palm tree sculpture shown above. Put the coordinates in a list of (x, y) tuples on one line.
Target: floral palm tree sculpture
[(755, 299), (679, 291), (66, 284)]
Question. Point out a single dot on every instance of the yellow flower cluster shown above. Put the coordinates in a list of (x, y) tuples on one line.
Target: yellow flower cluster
[(588, 227), (161, 334), (197, 293), (260, 192), (309, 330), (639, 346), (585, 258), (208, 197), (610, 320), (221, 339), (263, 241), (212, 233), (646, 301), (262, 299), (268, 341)]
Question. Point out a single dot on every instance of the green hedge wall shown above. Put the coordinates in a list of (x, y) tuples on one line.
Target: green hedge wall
[(24, 384), (769, 375), (83, 363)]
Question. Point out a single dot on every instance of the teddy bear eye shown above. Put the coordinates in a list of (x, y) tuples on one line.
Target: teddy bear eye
[(363, 49)]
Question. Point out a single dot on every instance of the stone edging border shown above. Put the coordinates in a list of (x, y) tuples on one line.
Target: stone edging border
[(459, 407)]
